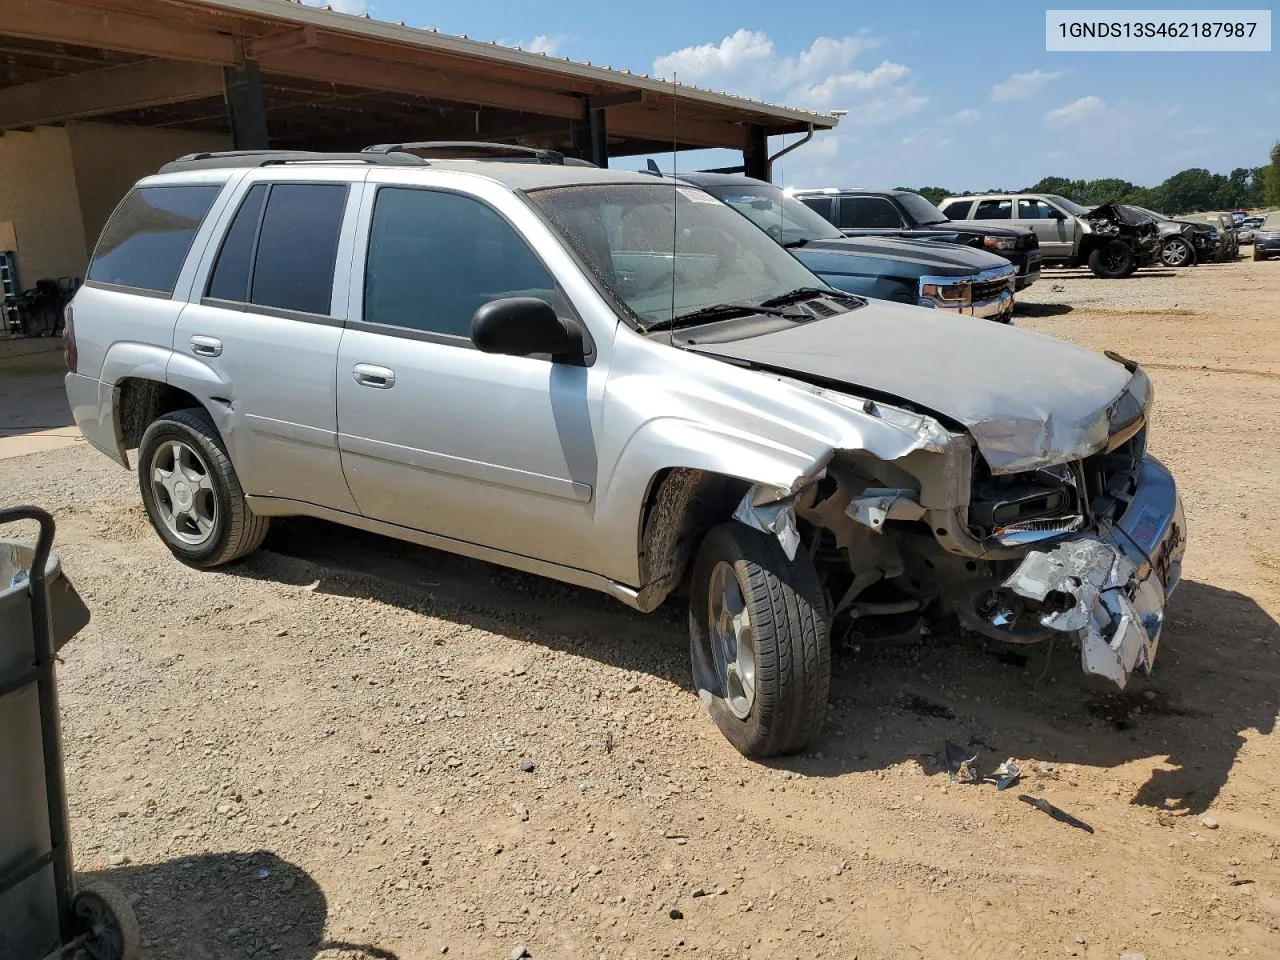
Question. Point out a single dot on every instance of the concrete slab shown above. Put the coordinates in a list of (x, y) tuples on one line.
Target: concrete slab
[(34, 415)]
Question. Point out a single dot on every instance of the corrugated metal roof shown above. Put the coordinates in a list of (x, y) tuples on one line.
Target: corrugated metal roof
[(427, 37)]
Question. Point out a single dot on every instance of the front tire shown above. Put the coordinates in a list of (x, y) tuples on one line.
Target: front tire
[(1111, 261), (759, 642), (1258, 254), (192, 494), (1177, 253)]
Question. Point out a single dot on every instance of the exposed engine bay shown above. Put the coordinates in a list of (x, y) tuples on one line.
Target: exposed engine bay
[(1088, 548)]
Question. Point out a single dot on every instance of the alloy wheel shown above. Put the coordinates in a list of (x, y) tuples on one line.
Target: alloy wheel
[(732, 638), (183, 489)]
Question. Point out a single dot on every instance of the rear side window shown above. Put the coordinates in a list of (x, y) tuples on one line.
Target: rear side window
[(1035, 210), (297, 246), (230, 280), (993, 210), (957, 209), (435, 258), (146, 240), (868, 212), (281, 246), (822, 206)]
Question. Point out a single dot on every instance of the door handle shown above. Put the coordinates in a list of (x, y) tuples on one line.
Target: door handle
[(206, 346), (372, 375)]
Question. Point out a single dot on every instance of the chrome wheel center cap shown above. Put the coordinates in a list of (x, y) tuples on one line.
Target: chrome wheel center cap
[(182, 494)]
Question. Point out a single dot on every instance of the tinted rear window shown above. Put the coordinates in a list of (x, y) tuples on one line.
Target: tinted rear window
[(297, 246), (993, 210), (146, 240), (230, 280), (957, 209)]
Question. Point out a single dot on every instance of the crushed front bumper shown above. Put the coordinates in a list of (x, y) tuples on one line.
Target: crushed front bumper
[(1109, 589)]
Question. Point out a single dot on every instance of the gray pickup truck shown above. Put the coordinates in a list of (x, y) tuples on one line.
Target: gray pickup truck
[(1111, 240)]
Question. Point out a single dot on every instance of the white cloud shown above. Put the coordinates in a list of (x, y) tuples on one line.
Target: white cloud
[(1077, 110), (341, 6), (825, 75), (967, 115), (1024, 86), (546, 43), (820, 77)]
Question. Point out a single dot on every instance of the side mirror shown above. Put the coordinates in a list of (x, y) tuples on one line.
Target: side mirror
[(524, 326)]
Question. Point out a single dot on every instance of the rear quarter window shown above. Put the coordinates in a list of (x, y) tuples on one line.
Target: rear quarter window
[(957, 209), (147, 239)]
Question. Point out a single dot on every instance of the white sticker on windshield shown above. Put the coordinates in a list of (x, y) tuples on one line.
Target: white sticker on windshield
[(696, 196)]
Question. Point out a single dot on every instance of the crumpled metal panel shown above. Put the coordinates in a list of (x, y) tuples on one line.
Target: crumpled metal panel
[(777, 517), (1118, 633)]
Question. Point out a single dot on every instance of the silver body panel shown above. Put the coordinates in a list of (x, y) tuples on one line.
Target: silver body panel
[(546, 466)]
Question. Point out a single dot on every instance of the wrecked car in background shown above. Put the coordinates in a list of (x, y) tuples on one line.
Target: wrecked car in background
[(1184, 243), (1111, 239), (628, 387)]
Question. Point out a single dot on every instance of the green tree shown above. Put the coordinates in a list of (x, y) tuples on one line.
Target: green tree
[(1271, 178), (1192, 190), (932, 194)]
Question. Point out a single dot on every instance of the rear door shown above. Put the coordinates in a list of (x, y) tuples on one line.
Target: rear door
[(264, 327), (490, 449), (1051, 225)]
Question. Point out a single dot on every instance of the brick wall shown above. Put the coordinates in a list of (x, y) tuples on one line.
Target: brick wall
[(38, 194), (109, 159)]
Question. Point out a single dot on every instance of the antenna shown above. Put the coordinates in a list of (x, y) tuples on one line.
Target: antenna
[(675, 200)]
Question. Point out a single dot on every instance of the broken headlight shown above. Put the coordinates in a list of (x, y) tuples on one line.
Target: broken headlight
[(1028, 507)]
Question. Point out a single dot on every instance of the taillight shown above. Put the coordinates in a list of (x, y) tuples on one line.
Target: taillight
[(69, 339)]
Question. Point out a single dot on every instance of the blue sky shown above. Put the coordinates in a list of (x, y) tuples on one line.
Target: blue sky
[(949, 94)]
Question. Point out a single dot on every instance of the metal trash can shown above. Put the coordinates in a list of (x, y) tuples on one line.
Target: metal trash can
[(42, 914)]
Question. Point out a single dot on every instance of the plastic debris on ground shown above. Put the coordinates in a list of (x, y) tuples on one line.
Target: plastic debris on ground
[(1005, 775), (961, 767), (1040, 803)]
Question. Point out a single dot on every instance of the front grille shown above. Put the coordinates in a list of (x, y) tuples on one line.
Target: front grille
[(989, 289)]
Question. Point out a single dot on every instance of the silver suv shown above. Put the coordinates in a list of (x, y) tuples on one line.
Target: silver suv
[(623, 384)]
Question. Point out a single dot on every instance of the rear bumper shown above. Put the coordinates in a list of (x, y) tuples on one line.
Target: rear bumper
[(90, 402), (1116, 581)]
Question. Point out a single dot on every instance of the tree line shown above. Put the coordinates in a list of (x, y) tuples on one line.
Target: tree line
[(1188, 191)]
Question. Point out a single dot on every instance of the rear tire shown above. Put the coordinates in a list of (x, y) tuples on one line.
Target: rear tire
[(1111, 261), (192, 494), (759, 644)]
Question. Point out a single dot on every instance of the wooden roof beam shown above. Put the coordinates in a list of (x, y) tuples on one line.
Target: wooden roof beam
[(131, 86), (453, 87), (65, 23)]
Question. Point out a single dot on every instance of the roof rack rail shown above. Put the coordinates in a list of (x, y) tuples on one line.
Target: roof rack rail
[(269, 158), (480, 150)]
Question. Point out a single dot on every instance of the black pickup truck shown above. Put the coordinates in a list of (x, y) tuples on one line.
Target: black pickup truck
[(901, 213)]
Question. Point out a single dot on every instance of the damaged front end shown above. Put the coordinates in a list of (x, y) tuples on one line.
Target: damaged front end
[(1088, 544)]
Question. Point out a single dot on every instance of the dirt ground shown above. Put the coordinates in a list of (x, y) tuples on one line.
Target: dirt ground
[(348, 747)]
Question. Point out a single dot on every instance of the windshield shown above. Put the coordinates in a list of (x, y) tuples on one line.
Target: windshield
[(1272, 222), (921, 210), (782, 217), (1070, 206), (639, 237)]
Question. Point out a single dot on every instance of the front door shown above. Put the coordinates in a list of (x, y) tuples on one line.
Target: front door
[(437, 436), (1050, 224)]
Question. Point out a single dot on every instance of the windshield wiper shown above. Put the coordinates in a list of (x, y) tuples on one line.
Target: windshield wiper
[(808, 293), (717, 311), (794, 244)]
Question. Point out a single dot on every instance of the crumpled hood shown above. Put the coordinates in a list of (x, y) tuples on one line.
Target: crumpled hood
[(1028, 400)]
